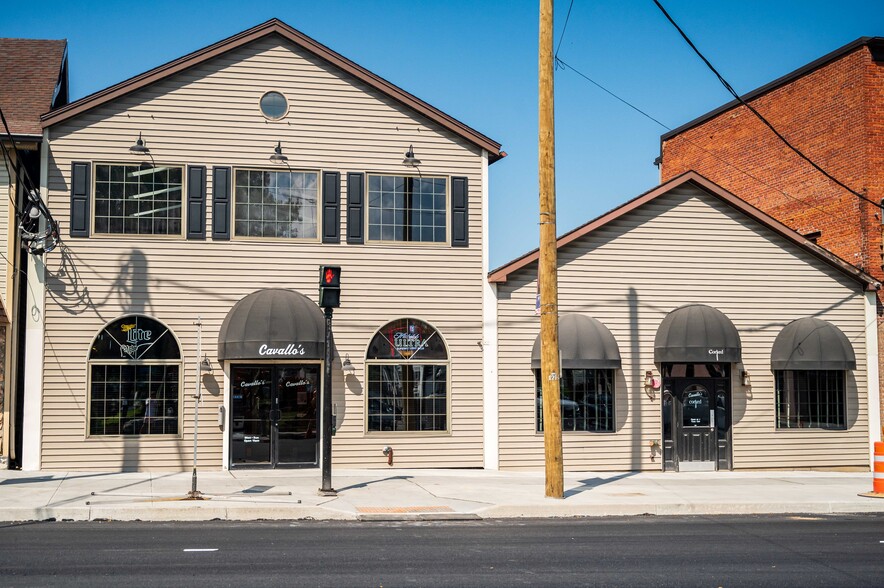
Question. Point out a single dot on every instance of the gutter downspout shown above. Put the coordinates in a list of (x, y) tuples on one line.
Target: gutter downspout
[(491, 400)]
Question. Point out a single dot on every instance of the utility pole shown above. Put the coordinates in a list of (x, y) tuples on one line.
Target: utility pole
[(546, 274)]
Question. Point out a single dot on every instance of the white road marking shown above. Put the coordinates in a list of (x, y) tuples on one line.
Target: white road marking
[(211, 549)]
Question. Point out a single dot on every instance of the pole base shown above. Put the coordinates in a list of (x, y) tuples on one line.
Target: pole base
[(195, 495), (327, 492)]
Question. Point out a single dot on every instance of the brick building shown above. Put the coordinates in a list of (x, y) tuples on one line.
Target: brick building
[(833, 111)]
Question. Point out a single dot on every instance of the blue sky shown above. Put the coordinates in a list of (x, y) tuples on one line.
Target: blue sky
[(477, 61)]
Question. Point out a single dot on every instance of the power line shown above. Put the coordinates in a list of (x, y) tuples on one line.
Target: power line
[(758, 114), (610, 93), (36, 241), (562, 37), (565, 65)]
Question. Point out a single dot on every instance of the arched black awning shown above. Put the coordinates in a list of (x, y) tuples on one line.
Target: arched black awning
[(273, 324), (584, 343), (696, 333), (812, 344)]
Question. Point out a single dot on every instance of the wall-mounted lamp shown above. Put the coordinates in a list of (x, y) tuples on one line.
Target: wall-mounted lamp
[(277, 156), (651, 384), (347, 366), (410, 160), (139, 148), (746, 380), (206, 365)]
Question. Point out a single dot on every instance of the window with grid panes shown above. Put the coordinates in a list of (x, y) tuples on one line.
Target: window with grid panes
[(276, 204), (586, 402), (134, 379), (403, 208), (138, 199), (811, 399), (407, 366)]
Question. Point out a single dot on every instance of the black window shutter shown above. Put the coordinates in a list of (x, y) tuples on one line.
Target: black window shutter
[(460, 218), (355, 213), (331, 207), (221, 203), (81, 185), (196, 202)]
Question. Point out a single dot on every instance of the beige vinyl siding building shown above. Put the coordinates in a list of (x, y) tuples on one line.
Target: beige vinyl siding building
[(203, 111), (688, 243)]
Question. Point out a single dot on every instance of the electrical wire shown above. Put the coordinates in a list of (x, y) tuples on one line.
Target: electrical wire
[(564, 28), (758, 114), (565, 65), (37, 242)]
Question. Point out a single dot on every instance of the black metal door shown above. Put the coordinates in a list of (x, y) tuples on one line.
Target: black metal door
[(695, 433), (273, 415)]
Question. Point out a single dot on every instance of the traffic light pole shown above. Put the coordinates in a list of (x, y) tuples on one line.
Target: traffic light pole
[(326, 410)]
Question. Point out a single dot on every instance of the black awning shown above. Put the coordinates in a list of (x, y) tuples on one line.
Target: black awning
[(697, 333), (584, 343), (812, 344), (273, 324)]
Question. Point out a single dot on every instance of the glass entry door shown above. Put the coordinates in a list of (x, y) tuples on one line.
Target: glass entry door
[(273, 415)]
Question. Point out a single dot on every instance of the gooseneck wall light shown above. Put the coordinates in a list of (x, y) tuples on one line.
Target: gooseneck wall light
[(277, 156), (139, 147), (410, 160)]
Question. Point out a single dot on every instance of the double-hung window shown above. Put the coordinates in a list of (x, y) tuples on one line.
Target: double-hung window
[(276, 204), (138, 199), (407, 209)]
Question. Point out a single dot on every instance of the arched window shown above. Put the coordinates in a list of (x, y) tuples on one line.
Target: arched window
[(134, 379), (407, 366)]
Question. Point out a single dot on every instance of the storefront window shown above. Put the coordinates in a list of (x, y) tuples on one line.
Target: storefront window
[(587, 400), (810, 399), (138, 199), (403, 208), (134, 379), (276, 204), (407, 366)]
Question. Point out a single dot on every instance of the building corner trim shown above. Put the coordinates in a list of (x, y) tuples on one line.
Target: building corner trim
[(873, 377), (491, 435), (33, 315)]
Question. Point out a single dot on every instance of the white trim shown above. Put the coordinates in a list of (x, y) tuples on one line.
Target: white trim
[(491, 422), (872, 375), (32, 421), (226, 406)]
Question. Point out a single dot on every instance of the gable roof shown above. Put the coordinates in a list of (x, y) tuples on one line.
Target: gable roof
[(501, 274), (276, 27), (875, 45), (32, 74)]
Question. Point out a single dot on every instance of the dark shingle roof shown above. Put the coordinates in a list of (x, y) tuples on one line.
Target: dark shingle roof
[(30, 71)]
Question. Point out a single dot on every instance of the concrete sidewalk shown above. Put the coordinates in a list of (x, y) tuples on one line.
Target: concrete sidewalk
[(422, 495)]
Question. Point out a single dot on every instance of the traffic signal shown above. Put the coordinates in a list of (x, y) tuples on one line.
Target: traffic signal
[(329, 286)]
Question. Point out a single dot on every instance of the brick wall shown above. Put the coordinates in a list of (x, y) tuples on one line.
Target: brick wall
[(826, 114), (835, 115)]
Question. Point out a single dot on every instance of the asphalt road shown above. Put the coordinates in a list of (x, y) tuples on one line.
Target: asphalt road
[(639, 551)]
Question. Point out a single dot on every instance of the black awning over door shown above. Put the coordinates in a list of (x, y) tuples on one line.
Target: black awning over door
[(273, 324), (697, 333), (812, 344), (584, 343)]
